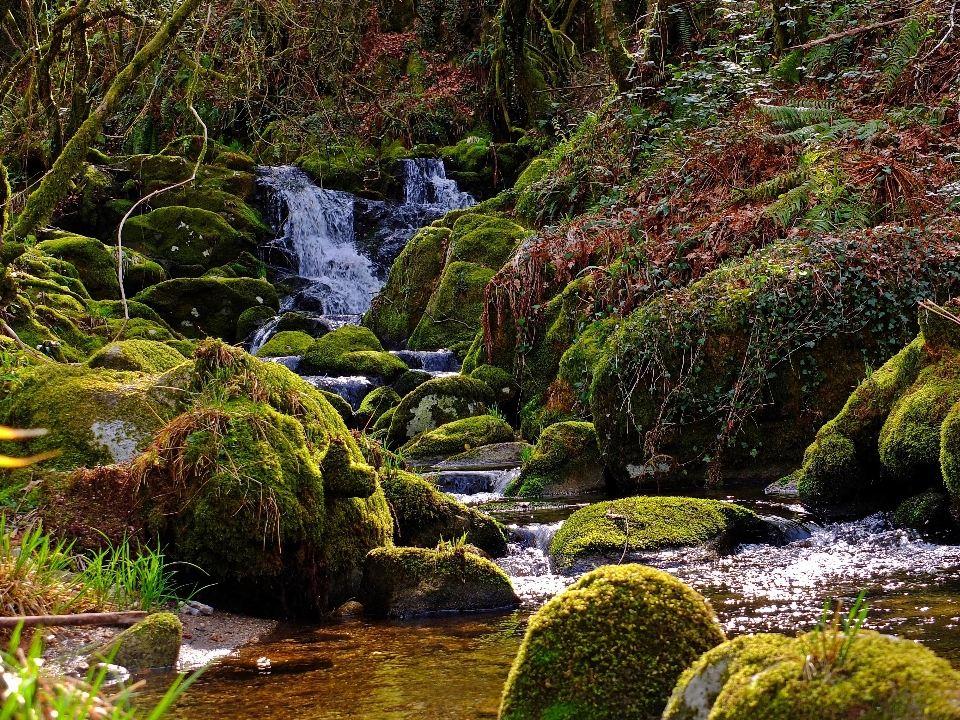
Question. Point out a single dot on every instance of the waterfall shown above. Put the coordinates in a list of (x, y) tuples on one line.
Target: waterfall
[(318, 228), (425, 183)]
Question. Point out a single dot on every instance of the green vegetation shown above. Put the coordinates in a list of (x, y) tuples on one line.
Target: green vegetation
[(458, 436), (152, 643), (352, 351), (375, 404), (611, 646), (436, 403), (565, 461), (288, 342), (146, 356)]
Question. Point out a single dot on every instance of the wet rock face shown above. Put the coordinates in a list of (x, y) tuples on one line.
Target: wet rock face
[(436, 403), (152, 643), (457, 437), (406, 582), (611, 646), (565, 461), (764, 676)]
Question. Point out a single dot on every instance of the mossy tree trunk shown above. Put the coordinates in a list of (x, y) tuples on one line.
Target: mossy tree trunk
[(79, 96), (4, 197), (619, 61), (790, 24), (53, 188)]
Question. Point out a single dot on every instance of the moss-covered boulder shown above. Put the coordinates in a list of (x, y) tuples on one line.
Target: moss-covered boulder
[(152, 643), (288, 342), (352, 351), (611, 646), (453, 313), (425, 516), (504, 387), (92, 259), (396, 310), (228, 206), (186, 241), (406, 582), (436, 403), (632, 527), (199, 307), (375, 404), (565, 461), (929, 513), (310, 324), (94, 416), (410, 381), (764, 676), (137, 355), (457, 437), (253, 319)]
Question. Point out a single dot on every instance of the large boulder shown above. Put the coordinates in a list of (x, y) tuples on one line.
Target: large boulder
[(199, 307), (565, 461), (288, 342), (772, 676), (453, 313), (147, 356), (611, 646), (377, 402), (152, 643), (94, 261), (425, 516), (636, 527), (456, 437), (406, 582), (436, 403), (352, 351)]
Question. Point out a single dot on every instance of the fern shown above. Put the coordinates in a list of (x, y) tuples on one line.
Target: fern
[(775, 187), (685, 28), (904, 50), (820, 132), (790, 204), (788, 69), (792, 117)]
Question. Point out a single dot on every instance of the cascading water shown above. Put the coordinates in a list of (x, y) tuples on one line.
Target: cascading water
[(426, 183), (318, 228)]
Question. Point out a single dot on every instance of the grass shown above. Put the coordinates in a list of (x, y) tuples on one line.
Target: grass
[(31, 694), (526, 453), (828, 646), (34, 574)]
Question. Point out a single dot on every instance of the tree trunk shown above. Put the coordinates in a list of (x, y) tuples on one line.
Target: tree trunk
[(4, 198), (79, 98), (53, 188), (619, 60)]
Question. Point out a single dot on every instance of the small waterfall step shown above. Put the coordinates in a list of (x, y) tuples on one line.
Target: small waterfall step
[(291, 362), (433, 361), (352, 388)]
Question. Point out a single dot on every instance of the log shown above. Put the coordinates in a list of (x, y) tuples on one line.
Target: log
[(130, 617)]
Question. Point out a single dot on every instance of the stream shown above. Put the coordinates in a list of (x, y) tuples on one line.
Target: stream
[(333, 250)]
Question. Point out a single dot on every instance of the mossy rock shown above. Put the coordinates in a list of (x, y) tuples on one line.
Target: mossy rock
[(504, 387), (453, 313), (763, 676), (395, 312), (184, 239), (152, 643), (253, 319), (382, 424), (309, 324), (611, 646), (137, 329), (375, 404), (928, 513), (405, 582), (184, 347), (343, 408), (232, 209), (93, 260), (536, 170), (425, 516), (146, 356), (484, 240), (600, 533), (565, 461), (410, 381), (140, 273), (94, 416), (197, 307), (457, 437), (288, 342), (436, 403), (352, 351)]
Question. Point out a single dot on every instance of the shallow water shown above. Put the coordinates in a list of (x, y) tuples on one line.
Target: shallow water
[(455, 666)]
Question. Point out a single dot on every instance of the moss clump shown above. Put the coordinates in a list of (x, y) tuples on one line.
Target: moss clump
[(453, 313), (137, 355), (459, 436), (152, 643), (253, 319), (382, 424), (375, 404), (95, 416), (398, 308), (352, 351), (928, 513), (410, 381), (565, 461), (198, 307), (405, 582), (231, 208), (436, 403), (186, 241), (309, 324), (139, 273), (611, 646), (484, 240), (94, 261), (289, 342), (504, 387), (425, 516), (762, 676), (598, 533), (536, 170)]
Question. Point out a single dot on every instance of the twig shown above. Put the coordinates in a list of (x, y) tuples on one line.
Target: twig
[(11, 333), (130, 617), (948, 33), (847, 33)]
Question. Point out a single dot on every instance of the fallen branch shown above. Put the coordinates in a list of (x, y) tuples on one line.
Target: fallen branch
[(130, 617), (847, 33)]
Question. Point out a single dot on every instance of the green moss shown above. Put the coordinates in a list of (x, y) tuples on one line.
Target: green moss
[(763, 676), (598, 532), (309, 324), (405, 582), (611, 646), (928, 512), (207, 306), (286, 343), (96, 189), (382, 424), (93, 260), (184, 347), (484, 240), (398, 308), (535, 171), (343, 408), (909, 442), (410, 381), (375, 404), (137, 355), (253, 319), (140, 273), (352, 351), (454, 311), (565, 461), (425, 516), (457, 436), (436, 403), (236, 212), (151, 643), (185, 240), (504, 387)]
